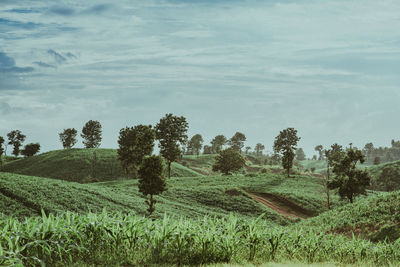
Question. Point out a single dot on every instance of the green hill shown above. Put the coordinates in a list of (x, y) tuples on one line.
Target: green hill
[(375, 217), (79, 165)]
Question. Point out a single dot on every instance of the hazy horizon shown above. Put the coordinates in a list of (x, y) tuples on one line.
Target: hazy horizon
[(327, 68)]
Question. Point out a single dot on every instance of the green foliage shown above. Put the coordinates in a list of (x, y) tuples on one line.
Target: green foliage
[(68, 137), (134, 144), (16, 138), (218, 142), (151, 180), (1, 150), (389, 179), (377, 160), (30, 149), (195, 144), (237, 141), (91, 134), (207, 150), (170, 132), (77, 165), (228, 160), (285, 144), (319, 149), (349, 180), (300, 155), (128, 240)]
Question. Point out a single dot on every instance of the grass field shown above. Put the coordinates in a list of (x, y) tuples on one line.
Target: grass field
[(203, 217)]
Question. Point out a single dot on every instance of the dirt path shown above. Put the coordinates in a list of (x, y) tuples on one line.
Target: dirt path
[(281, 205)]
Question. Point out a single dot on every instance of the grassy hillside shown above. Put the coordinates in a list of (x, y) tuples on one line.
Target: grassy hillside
[(26, 195), (79, 165), (375, 217)]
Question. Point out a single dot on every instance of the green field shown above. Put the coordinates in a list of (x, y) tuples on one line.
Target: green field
[(203, 217)]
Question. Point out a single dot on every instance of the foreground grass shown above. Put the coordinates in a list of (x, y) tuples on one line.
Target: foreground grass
[(110, 240)]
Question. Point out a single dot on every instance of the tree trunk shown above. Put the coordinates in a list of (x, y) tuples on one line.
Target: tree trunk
[(151, 205), (169, 169), (288, 172)]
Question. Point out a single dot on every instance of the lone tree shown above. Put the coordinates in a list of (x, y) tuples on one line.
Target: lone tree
[(228, 160), (195, 144), (16, 138), (1, 150), (30, 149), (285, 144), (300, 155), (349, 180), (218, 142), (134, 144), (333, 156), (68, 137), (151, 180), (171, 132), (247, 149), (319, 149), (259, 148), (237, 141), (91, 134)]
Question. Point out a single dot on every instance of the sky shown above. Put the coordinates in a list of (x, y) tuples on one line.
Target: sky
[(330, 69)]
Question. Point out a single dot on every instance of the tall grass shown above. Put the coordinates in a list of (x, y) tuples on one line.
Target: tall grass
[(117, 239)]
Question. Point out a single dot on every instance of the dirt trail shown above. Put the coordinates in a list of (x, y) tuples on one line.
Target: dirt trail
[(281, 205)]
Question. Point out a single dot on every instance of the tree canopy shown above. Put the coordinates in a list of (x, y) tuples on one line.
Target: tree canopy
[(228, 160), (237, 141), (68, 137), (171, 133), (31, 149), (195, 144), (91, 134), (285, 144), (218, 142), (16, 138)]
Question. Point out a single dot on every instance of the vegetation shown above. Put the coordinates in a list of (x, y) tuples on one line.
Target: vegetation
[(300, 155), (258, 149), (194, 145), (134, 144), (218, 142), (68, 137), (30, 149), (228, 160), (16, 138), (237, 141), (170, 132), (349, 180), (1, 150), (285, 144), (91, 134), (151, 180)]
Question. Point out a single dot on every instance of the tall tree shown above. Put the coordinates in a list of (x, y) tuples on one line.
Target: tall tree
[(151, 180), (207, 149), (333, 156), (171, 132), (30, 149), (285, 144), (259, 148), (218, 142), (300, 155), (68, 137), (369, 147), (16, 138), (195, 144), (237, 141), (134, 144), (247, 149), (228, 160), (91, 134), (320, 149), (349, 180)]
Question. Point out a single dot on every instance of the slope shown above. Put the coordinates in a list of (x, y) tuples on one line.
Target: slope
[(375, 217), (79, 165)]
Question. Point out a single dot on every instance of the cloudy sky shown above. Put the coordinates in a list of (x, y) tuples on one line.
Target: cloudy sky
[(331, 69)]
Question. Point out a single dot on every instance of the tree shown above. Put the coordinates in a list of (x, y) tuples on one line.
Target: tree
[(237, 141), (300, 155), (151, 180), (134, 144), (207, 149), (389, 179), (333, 155), (319, 149), (228, 160), (1, 150), (91, 133), (369, 147), (247, 149), (195, 144), (16, 138), (377, 160), (30, 149), (285, 144), (68, 137), (170, 132), (259, 148), (218, 142), (348, 179)]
